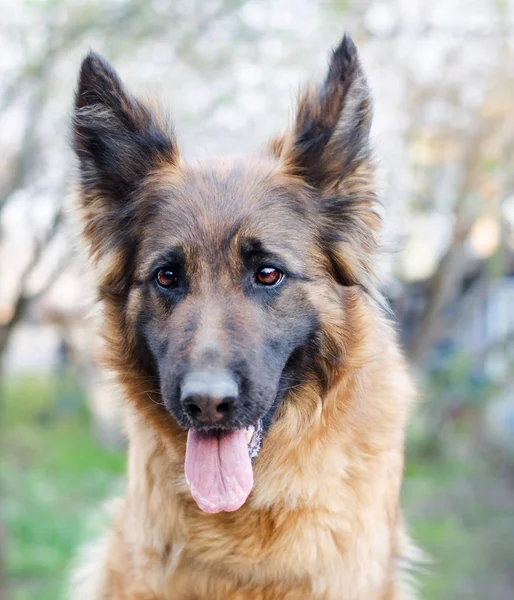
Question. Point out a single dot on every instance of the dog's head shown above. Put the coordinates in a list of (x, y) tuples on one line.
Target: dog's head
[(225, 282)]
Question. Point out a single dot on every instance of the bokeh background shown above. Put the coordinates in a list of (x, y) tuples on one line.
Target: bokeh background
[(442, 73)]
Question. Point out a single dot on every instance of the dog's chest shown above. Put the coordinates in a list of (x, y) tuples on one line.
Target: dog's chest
[(304, 564)]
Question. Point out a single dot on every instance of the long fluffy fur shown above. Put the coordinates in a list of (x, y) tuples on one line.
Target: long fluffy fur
[(323, 520)]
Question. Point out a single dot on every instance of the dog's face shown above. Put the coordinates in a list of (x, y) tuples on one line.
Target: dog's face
[(219, 290), (212, 271)]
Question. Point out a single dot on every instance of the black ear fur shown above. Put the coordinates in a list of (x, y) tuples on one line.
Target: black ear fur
[(328, 147), (117, 139), (331, 129)]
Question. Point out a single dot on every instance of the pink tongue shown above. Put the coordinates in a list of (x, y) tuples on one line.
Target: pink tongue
[(218, 469)]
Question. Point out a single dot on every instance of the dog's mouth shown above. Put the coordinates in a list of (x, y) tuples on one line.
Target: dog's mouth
[(218, 466)]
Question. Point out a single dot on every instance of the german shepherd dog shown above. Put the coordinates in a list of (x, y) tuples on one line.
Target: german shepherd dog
[(267, 396)]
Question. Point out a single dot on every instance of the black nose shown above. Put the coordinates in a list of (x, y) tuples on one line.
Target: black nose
[(209, 397)]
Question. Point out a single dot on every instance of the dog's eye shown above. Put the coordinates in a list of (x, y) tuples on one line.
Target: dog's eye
[(166, 278), (268, 276)]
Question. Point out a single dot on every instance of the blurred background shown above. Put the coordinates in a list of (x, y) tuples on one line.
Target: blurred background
[(442, 73)]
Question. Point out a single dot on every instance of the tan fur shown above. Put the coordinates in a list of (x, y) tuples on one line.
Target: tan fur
[(323, 520)]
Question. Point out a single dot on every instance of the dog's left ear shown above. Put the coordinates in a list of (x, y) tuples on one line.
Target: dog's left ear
[(331, 129), (328, 147)]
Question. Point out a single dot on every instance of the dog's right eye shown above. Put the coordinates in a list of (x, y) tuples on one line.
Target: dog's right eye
[(268, 276), (166, 278)]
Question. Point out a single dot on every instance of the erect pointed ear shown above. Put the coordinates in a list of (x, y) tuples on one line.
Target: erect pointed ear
[(118, 141), (330, 134), (328, 147)]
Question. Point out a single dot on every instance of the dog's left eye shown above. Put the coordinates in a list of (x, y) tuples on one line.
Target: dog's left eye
[(268, 276), (166, 278)]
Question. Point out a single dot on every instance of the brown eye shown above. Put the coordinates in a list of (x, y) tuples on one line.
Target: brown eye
[(166, 278), (268, 276)]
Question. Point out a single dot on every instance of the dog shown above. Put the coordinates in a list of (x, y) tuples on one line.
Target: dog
[(266, 393)]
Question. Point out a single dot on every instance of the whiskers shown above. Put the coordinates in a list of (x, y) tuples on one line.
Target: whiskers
[(301, 383), (154, 402)]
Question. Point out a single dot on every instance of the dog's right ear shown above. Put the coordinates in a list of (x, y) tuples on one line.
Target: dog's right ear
[(118, 142), (328, 147)]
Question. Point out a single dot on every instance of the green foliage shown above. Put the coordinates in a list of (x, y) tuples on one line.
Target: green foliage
[(462, 517), (54, 478)]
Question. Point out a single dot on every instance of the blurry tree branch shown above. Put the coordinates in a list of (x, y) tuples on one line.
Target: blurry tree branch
[(483, 145), (445, 282), (23, 297), (28, 152)]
